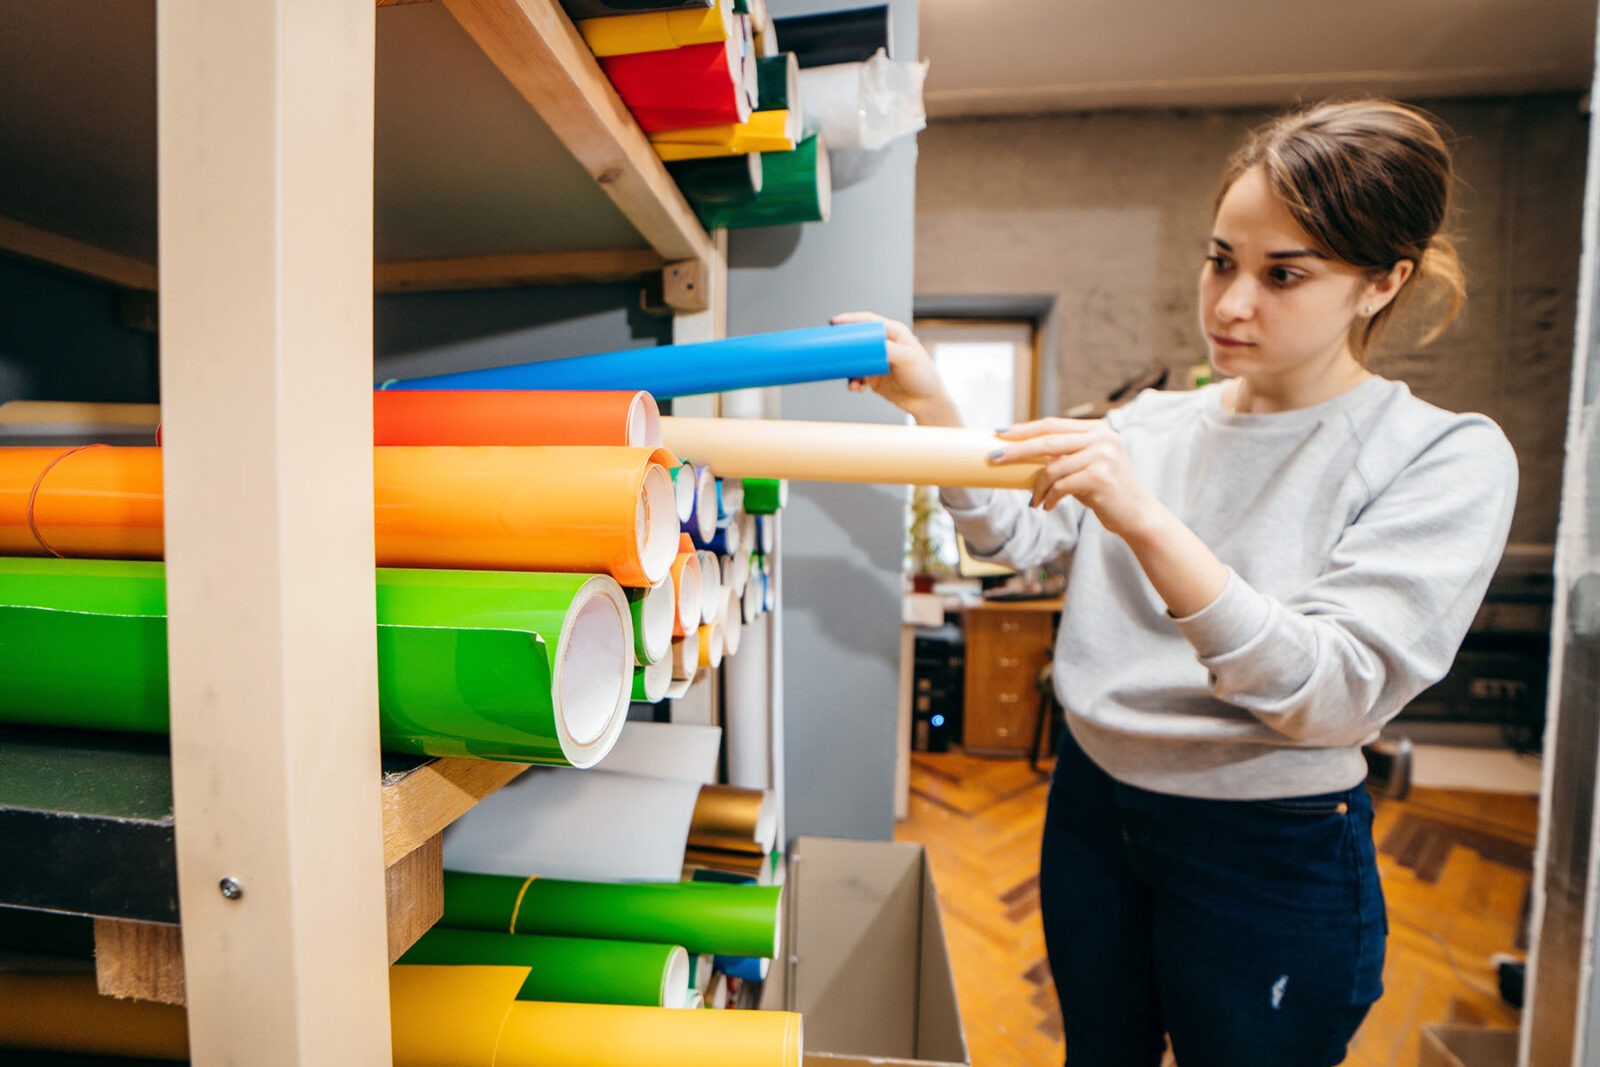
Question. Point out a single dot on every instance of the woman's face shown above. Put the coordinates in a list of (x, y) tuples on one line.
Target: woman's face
[(1273, 308)]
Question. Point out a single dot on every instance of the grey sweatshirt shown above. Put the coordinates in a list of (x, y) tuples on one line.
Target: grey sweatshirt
[(1360, 535)]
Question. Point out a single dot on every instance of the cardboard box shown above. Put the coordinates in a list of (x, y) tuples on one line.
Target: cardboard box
[(865, 961), (1467, 1046)]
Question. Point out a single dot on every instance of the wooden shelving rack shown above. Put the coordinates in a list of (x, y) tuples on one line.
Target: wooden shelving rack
[(488, 146)]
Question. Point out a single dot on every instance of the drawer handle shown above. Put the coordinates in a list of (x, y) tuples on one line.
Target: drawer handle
[(1009, 627), (1008, 661), (1008, 698)]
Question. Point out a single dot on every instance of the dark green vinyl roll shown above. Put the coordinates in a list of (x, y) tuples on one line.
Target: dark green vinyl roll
[(778, 83), (469, 662), (578, 970), (796, 187), (703, 917), (725, 181)]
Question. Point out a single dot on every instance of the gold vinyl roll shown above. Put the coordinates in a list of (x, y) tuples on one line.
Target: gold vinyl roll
[(36, 412), (845, 452), (66, 1013), (685, 656), (718, 859), (616, 1035), (656, 31), (733, 819)]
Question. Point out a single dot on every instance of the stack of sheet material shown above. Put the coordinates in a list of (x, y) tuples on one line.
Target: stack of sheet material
[(533, 668), (680, 68)]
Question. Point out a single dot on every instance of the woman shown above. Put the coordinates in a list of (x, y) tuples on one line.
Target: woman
[(1262, 573)]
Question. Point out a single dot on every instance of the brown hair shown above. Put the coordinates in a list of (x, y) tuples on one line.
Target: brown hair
[(1370, 180)]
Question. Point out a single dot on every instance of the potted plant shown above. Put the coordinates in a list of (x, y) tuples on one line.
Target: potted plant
[(925, 539)]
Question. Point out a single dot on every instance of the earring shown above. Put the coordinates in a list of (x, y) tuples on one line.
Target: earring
[(1367, 310)]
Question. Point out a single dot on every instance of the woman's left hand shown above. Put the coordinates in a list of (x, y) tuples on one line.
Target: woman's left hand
[(1082, 458)]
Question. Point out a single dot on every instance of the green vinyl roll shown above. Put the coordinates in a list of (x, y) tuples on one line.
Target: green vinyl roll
[(579, 970), (765, 496), (730, 920), (726, 181), (778, 83), (796, 187), (470, 663)]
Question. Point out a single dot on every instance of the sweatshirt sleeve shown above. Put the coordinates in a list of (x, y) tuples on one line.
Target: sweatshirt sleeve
[(999, 526), (1329, 664)]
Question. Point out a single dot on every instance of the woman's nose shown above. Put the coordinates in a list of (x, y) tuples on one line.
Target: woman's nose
[(1238, 300)]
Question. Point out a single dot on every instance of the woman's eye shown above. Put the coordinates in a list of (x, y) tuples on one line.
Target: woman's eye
[(1218, 263), (1283, 276)]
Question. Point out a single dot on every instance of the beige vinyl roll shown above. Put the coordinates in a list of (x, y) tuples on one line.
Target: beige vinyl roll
[(685, 657), (845, 452), (711, 582), (731, 620)]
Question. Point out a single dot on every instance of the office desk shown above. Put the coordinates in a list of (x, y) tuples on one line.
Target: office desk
[(1008, 642)]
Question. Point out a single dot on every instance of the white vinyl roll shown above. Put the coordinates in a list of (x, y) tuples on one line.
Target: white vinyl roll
[(665, 750), (561, 823), (746, 710)]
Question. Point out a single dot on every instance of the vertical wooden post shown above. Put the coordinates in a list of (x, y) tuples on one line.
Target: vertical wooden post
[(265, 131)]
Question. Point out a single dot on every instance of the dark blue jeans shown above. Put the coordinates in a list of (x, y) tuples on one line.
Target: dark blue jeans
[(1251, 932)]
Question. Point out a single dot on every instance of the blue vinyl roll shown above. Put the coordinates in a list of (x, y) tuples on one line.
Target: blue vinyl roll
[(747, 968), (722, 539), (788, 357), (701, 525)]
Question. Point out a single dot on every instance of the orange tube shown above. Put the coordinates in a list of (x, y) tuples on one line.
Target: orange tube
[(585, 510), (515, 417), (95, 501), (686, 580)]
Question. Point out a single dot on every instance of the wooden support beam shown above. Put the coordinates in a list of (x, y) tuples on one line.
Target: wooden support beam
[(541, 54), (508, 271), (419, 805), (30, 242), (144, 961)]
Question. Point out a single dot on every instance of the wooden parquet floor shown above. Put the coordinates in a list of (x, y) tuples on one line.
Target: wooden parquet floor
[(1455, 867)]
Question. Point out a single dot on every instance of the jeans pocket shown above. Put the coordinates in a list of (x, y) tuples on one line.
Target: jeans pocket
[(1312, 806)]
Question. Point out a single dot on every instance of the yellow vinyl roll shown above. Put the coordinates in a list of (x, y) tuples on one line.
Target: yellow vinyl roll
[(764, 131), (656, 31), (711, 644), (450, 1016), (685, 656), (616, 1035), (845, 452), (66, 1013), (733, 819), (34, 412)]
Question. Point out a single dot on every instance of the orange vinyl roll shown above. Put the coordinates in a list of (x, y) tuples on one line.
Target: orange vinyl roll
[(584, 510), (515, 417), (542, 508), (96, 501)]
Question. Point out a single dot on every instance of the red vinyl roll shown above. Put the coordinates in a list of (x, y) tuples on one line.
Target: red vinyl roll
[(515, 417), (698, 85)]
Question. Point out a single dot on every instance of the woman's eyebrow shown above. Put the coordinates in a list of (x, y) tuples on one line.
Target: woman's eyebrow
[(1296, 253)]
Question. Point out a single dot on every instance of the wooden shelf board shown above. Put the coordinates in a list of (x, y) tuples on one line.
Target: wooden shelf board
[(465, 167)]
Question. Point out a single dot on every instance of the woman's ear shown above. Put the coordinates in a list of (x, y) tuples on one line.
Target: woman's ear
[(1383, 290)]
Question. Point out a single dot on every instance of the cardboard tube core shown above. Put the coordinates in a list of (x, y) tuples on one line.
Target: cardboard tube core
[(593, 672)]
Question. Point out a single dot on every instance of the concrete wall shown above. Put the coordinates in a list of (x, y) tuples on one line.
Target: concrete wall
[(1109, 212), (841, 557)]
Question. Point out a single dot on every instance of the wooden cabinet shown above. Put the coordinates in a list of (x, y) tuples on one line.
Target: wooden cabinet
[(1007, 644)]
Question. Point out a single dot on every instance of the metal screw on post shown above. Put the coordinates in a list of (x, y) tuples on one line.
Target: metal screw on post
[(230, 888)]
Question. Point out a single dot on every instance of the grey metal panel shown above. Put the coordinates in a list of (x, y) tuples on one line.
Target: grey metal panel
[(1562, 1023), (841, 543)]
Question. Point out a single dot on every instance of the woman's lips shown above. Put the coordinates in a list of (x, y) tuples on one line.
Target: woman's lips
[(1228, 342)]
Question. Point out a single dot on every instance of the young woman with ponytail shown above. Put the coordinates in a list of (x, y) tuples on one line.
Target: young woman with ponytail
[(1261, 573)]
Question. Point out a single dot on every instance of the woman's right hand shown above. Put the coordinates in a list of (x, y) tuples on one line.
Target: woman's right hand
[(913, 383)]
